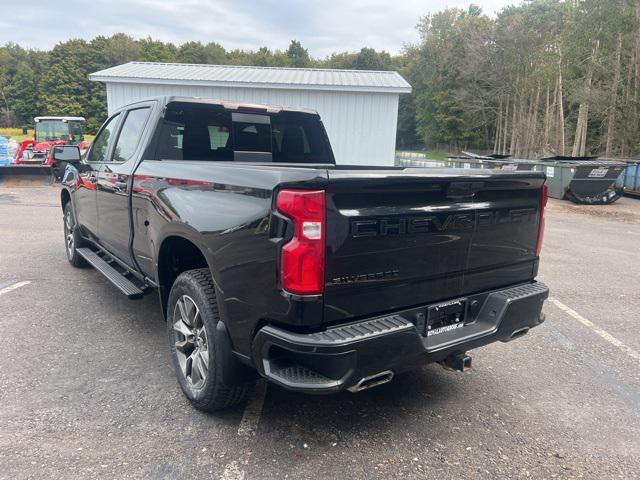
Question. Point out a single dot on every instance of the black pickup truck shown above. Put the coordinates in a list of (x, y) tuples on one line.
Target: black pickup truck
[(270, 259)]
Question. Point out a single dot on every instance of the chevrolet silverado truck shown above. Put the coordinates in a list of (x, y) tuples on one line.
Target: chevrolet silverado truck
[(271, 260)]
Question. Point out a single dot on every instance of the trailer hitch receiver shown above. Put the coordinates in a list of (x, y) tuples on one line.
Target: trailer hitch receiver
[(457, 361)]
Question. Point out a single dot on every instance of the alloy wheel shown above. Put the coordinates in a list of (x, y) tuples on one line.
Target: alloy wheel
[(68, 231), (190, 336)]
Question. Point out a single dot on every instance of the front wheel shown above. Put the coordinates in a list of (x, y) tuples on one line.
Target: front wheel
[(72, 238), (192, 315)]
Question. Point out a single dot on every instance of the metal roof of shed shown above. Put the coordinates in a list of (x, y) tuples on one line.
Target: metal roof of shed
[(255, 77)]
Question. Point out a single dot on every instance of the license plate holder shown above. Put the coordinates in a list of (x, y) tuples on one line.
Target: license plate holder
[(445, 317)]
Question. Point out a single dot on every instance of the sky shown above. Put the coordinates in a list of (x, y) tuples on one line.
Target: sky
[(323, 27)]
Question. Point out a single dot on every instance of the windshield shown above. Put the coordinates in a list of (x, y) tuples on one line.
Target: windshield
[(192, 131), (47, 130), (51, 130)]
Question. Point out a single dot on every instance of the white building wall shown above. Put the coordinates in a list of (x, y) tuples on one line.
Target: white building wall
[(361, 125)]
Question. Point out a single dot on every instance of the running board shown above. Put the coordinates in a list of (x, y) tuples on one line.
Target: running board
[(116, 278)]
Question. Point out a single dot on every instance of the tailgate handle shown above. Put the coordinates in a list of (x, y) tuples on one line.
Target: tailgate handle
[(464, 189)]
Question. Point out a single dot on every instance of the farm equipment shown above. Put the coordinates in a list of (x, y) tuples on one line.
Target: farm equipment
[(50, 132)]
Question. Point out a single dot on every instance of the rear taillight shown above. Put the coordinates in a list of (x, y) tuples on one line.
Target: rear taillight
[(544, 197), (302, 257)]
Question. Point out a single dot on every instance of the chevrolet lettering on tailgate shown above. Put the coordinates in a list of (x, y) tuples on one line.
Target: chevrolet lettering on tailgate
[(431, 223)]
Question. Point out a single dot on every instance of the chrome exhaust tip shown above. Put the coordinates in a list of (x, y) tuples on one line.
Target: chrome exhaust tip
[(372, 381), (516, 334)]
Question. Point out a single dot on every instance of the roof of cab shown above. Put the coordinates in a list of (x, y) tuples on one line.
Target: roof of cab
[(227, 104), (68, 119)]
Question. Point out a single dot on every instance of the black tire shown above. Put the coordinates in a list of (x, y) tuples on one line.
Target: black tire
[(203, 387), (72, 238)]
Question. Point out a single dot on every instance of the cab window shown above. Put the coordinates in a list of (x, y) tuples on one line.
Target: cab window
[(194, 131), (100, 146), (130, 134)]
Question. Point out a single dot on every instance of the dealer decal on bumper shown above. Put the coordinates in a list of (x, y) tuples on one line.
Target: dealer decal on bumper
[(446, 328)]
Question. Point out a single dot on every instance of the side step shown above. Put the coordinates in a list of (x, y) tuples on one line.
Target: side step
[(116, 278)]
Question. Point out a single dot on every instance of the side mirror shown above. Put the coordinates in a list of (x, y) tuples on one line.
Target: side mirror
[(66, 153)]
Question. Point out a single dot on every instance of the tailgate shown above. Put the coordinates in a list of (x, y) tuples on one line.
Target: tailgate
[(415, 236)]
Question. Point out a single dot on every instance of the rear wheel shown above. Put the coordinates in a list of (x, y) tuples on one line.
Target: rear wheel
[(192, 315), (72, 238)]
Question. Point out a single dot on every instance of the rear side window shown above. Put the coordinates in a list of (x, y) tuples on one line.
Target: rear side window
[(298, 139), (130, 134), (218, 136), (191, 131)]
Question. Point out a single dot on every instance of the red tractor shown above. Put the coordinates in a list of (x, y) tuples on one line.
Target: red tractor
[(49, 132)]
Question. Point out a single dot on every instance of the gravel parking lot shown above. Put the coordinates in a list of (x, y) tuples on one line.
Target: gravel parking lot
[(87, 390)]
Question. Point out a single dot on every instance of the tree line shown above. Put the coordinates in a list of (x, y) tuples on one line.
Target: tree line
[(542, 77), (55, 82)]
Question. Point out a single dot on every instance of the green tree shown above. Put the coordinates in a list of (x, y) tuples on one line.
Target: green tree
[(343, 60), (406, 135), (262, 57), (22, 94), (369, 59), (215, 54), (96, 109), (540, 77), (117, 49), (450, 72), (63, 89), (474, 10), (192, 52), (156, 51), (298, 55)]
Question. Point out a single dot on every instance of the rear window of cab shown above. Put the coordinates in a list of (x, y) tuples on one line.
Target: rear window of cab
[(194, 131)]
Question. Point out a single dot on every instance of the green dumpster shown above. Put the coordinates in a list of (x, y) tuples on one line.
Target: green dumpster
[(584, 179)]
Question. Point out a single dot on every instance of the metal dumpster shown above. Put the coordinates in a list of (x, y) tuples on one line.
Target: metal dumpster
[(505, 162), (497, 161), (631, 178), (584, 179), (521, 165), (579, 179), (465, 160), (472, 160), (417, 159)]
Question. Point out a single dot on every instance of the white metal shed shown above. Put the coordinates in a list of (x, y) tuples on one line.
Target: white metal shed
[(359, 108)]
